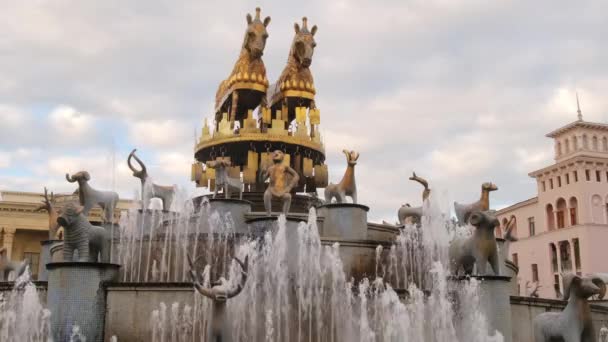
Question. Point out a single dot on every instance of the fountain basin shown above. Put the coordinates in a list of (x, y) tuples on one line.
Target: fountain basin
[(47, 256)]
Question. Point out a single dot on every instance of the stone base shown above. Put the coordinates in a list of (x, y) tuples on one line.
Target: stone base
[(495, 301), (76, 298), (344, 220), (46, 257), (234, 208)]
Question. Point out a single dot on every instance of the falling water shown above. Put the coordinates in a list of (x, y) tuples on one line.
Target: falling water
[(22, 316), (297, 290)]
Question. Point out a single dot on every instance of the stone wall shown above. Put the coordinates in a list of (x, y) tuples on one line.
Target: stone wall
[(524, 309)]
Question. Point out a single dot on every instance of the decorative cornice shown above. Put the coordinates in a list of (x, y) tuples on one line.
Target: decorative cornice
[(579, 159), (577, 124)]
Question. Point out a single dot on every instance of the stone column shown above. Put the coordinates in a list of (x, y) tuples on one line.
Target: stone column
[(8, 236)]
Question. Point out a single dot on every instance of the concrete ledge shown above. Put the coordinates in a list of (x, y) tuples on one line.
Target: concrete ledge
[(85, 264), (345, 205)]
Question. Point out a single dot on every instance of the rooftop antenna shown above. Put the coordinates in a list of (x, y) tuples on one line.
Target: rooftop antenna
[(578, 111)]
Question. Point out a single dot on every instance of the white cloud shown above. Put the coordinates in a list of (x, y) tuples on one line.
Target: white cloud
[(5, 159), (71, 125), (160, 133)]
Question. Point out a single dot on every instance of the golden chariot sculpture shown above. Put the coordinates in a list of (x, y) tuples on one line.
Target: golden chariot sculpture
[(253, 119)]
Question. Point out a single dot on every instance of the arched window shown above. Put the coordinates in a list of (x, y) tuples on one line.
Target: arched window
[(550, 217), (594, 143), (553, 255), (597, 212), (565, 255), (559, 149), (585, 142), (567, 145), (560, 213), (605, 144), (573, 207), (514, 230), (498, 231), (575, 143)]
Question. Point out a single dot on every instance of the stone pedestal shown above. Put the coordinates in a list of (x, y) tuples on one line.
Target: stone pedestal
[(344, 221), (234, 208), (46, 257), (495, 301), (260, 225), (76, 298)]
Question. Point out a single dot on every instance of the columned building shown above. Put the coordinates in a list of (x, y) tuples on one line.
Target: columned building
[(565, 227)]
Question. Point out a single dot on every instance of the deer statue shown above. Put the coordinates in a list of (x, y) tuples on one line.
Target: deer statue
[(89, 197), (574, 323), (218, 328), (406, 211), (223, 180), (463, 211), (347, 186), (7, 266), (165, 193), (48, 204), (249, 67)]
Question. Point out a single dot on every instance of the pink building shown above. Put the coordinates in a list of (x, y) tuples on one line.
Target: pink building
[(565, 227)]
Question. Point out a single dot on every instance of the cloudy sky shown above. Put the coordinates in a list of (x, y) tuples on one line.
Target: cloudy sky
[(461, 91)]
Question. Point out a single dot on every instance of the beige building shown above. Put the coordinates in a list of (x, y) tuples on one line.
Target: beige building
[(22, 228), (565, 227)]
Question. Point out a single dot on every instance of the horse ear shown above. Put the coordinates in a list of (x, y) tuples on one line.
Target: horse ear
[(296, 27), (313, 30), (266, 21), (249, 19)]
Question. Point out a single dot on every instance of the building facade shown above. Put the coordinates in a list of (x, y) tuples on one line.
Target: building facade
[(22, 227), (565, 227)]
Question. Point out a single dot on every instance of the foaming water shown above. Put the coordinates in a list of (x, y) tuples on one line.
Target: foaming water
[(298, 290), (22, 316)]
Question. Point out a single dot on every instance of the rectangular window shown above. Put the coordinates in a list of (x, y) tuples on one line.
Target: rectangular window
[(564, 256), (575, 176), (607, 176), (515, 260), (535, 273), (577, 254), (551, 183), (544, 186), (559, 181), (567, 178), (588, 175), (597, 176), (556, 287), (531, 226), (34, 260)]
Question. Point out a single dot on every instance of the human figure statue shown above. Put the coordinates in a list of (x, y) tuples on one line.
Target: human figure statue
[(219, 329), (282, 179), (165, 193), (48, 204)]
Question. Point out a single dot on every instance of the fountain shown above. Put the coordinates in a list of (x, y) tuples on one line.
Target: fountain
[(313, 271)]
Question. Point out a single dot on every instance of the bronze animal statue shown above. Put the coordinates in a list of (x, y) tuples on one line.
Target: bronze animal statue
[(574, 323), (347, 186), (90, 241), (282, 179), (407, 211), (223, 180), (89, 197), (48, 204), (7, 266), (249, 67), (296, 75), (463, 211), (165, 193), (219, 329), (478, 249)]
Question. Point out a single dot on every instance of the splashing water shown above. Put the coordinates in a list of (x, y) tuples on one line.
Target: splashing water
[(22, 316), (297, 290)]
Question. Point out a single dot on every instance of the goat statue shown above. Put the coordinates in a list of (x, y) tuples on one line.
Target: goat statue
[(90, 241), (347, 186), (89, 197), (574, 323), (165, 193), (463, 211), (219, 329), (223, 179), (478, 249), (7, 266), (415, 213)]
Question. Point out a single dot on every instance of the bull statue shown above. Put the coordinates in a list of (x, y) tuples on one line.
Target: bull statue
[(79, 234), (478, 249), (165, 193)]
